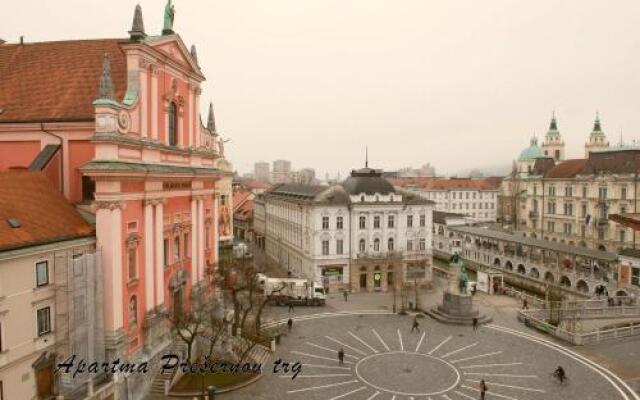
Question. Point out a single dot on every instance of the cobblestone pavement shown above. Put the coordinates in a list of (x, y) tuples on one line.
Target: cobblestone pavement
[(384, 360)]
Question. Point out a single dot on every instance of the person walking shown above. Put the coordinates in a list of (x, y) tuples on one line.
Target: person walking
[(341, 356), (416, 325), (291, 308), (346, 295), (483, 389), (474, 322), (525, 304), (290, 324)]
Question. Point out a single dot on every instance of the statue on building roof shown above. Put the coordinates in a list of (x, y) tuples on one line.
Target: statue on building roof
[(169, 16)]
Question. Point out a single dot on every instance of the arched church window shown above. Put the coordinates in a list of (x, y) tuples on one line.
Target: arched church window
[(173, 124)]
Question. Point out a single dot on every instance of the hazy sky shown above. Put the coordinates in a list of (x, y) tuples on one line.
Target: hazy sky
[(455, 83)]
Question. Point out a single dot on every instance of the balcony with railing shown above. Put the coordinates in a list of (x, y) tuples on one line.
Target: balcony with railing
[(391, 255)]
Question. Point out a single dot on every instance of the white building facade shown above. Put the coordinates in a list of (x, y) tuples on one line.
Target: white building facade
[(474, 198), (362, 234)]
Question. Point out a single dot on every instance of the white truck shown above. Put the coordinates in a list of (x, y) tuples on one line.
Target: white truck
[(296, 291)]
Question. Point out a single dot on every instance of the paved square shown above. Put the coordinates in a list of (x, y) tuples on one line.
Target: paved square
[(384, 360)]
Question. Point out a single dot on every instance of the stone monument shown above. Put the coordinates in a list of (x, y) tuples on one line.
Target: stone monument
[(457, 304)]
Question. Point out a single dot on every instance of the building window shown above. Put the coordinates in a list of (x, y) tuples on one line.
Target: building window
[(409, 221), (454, 195), (339, 248), (635, 276), (600, 234), (176, 249), (362, 246), (567, 228), (568, 191), (623, 193), (133, 311), (88, 189), (583, 211), (363, 222), (568, 209), (133, 267), (165, 252), (376, 222), (325, 223), (423, 244), (1, 391), (423, 220), (42, 273), (325, 247), (44, 321), (390, 244), (550, 226), (602, 193), (390, 221), (552, 190), (339, 223), (187, 251), (622, 236), (376, 244), (409, 245), (584, 192), (173, 124), (583, 230)]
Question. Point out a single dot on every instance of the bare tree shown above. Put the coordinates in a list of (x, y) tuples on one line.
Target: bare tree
[(189, 323)]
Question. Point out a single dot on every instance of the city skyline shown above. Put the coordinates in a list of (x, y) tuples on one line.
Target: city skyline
[(407, 75)]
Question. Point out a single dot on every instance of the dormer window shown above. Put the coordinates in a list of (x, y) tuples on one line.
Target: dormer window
[(391, 198), (173, 124), (362, 199)]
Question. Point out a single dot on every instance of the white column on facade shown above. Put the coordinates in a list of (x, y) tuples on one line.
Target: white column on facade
[(142, 99), (154, 102), (195, 233), (201, 239), (149, 237), (216, 235), (159, 233), (197, 117), (182, 135), (109, 241), (190, 118)]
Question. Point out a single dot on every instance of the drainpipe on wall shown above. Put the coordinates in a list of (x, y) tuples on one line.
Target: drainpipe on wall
[(635, 203), (61, 154), (350, 248)]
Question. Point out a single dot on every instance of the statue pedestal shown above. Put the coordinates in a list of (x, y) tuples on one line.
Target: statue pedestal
[(457, 309)]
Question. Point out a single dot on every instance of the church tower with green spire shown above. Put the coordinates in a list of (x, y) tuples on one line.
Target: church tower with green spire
[(597, 139), (553, 145)]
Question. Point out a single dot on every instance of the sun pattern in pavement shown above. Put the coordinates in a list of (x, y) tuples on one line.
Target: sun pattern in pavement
[(395, 368)]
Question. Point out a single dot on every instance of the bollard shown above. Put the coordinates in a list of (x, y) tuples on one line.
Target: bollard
[(211, 392)]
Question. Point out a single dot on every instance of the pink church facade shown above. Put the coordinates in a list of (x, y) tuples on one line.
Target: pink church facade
[(116, 125)]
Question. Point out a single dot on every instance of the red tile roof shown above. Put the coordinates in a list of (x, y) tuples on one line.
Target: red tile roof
[(492, 183), (43, 213), (239, 198), (56, 81), (255, 184), (245, 211), (566, 169)]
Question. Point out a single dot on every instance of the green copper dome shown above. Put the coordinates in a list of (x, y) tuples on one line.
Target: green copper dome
[(532, 152)]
